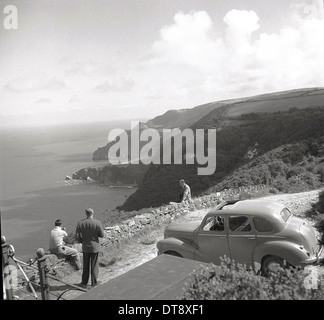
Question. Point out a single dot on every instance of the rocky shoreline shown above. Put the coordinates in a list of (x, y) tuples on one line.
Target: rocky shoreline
[(125, 175)]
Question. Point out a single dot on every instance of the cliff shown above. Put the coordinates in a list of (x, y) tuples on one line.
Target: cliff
[(246, 128), (258, 132), (205, 115), (113, 175)]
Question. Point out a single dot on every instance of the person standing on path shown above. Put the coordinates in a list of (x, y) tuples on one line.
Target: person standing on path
[(88, 232)]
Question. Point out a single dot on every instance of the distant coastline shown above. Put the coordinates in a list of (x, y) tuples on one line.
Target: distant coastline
[(123, 186), (33, 191)]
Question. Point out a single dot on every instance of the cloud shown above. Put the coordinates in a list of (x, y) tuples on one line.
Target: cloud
[(242, 22), (186, 41), (43, 100), (193, 60), (240, 26), (311, 9), (243, 60), (74, 98), (117, 85), (34, 83), (90, 68)]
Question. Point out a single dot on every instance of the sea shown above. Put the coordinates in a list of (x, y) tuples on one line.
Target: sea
[(34, 163)]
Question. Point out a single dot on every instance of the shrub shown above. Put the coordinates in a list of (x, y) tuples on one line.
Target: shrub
[(320, 171), (318, 207), (273, 190), (244, 195), (231, 281), (320, 228), (108, 258)]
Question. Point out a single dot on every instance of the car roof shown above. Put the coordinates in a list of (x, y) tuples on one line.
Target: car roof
[(263, 208)]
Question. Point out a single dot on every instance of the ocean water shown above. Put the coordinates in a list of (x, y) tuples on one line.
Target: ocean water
[(33, 192)]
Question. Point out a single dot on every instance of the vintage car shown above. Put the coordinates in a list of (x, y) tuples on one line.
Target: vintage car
[(264, 235)]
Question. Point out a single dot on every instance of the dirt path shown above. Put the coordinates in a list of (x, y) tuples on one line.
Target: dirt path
[(137, 253), (133, 254), (298, 203)]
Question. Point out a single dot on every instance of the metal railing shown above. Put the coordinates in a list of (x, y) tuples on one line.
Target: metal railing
[(14, 270)]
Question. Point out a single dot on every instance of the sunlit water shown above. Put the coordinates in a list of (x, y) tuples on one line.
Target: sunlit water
[(33, 192)]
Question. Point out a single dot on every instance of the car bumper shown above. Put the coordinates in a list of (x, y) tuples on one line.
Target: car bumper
[(316, 260), (320, 255)]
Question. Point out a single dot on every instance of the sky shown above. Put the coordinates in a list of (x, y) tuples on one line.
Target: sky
[(77, 61)]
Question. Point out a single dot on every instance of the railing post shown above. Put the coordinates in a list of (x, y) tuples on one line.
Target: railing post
[(5, 269), (42, 266)]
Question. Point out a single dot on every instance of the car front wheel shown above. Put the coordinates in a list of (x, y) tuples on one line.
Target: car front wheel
[(271, 265)]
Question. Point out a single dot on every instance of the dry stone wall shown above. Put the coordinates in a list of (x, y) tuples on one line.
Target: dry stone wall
[(167, 213)]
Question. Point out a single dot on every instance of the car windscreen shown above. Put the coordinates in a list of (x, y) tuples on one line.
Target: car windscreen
[(285, 214)]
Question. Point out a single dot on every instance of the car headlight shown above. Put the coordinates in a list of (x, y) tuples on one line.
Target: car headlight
[(303, 249)]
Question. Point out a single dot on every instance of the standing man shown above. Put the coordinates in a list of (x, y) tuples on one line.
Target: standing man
[(57, 246), (88, 232), (185, 192)]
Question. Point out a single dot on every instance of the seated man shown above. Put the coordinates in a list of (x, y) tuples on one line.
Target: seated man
[(185, 195), (58, 247), (185, 192)]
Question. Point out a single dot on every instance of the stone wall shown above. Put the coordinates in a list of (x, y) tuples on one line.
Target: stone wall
[(132, 226)]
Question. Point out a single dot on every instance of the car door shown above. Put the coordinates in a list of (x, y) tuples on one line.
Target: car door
[(212, 239), (241, 238)]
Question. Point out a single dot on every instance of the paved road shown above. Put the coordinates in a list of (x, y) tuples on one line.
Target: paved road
[(161, 278)]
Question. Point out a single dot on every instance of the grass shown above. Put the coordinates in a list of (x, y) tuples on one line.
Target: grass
[(109, 258)]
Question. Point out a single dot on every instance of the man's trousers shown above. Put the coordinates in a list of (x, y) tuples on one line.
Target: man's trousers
[(90, 265)]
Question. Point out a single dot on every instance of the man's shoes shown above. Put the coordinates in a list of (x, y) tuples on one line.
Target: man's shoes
[(95, 285), (82, 285)]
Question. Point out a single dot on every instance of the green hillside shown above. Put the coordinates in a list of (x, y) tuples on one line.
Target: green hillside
[(183, 118), (241, 140), (290, 168), (226, 111)]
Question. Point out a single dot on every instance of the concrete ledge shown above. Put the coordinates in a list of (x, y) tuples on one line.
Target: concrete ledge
[(161, 278)]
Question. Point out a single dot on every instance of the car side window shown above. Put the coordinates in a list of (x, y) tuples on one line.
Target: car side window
[(262, 225), (215, 223), (239, 224)]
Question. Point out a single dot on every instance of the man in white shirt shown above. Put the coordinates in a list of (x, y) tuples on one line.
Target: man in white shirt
[(58, 247), (185, 195)]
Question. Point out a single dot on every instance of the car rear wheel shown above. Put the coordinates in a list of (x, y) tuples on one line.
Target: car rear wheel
[(271, 265), (174, 253)]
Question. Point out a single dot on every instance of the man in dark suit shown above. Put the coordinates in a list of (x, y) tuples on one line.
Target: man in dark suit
[(88, 232)]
